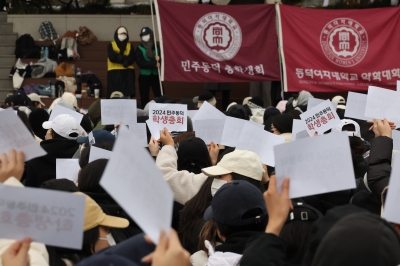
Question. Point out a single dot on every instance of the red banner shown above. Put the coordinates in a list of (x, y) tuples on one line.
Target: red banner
[(209, 43), (339, 50)]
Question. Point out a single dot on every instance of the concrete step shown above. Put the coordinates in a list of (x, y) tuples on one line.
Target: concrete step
[(8, 38), (6, 83), (4, 71), (6, 27), (3, 16), (7, 49), (7, 60)]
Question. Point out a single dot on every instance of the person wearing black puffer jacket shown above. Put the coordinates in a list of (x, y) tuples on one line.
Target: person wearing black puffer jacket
[(60, 143), (380, 158)]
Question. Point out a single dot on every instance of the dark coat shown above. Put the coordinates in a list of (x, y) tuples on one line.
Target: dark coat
[(379, 167), (236, 242), (42, 169)]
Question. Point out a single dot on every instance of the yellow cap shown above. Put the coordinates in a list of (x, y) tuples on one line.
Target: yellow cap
[(94, 216)]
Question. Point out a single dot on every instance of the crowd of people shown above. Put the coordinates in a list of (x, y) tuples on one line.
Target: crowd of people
[(227, 207)]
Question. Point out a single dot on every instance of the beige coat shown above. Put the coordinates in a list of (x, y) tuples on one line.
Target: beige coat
[(184, 184)]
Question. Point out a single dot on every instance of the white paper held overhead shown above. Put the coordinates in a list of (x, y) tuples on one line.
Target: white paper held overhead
[(61, 110), (15, 135), (298, 126), (54, 218), (315, 165), (320, 118), (171, 116), (138, 186), (312, 102), (67, 168), (154, 130), (207, 111), (140, 132), (355, 106), (209, 130), (118, 111), (232, 130), (383, 103), (97, 153), (391, 211)]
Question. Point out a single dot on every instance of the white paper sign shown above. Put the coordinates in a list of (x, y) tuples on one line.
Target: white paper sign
[(118, 111), (154, 130), (15, 135), (298, 126), (232, 130), (171, 116), (312, 102), (91, 138), (398, 85), (97, 153), (391, 211), (61, 110), (396, 140), (192, 113), (54, 218), (320, 118), (140, 132), (315, 165), (301, 135), (355, 106), (67, 168), (260, 142), (207, 111), (209, 130), (383, 103), (133, 180)]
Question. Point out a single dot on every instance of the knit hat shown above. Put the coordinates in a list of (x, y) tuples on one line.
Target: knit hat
[(256, 103), (192, 151), (246, 100), (206, 97), (283, 123), (270, 112)]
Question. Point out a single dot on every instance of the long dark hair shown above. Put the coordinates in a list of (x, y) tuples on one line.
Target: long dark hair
[(256, 183), (90, 175), (193, 212)]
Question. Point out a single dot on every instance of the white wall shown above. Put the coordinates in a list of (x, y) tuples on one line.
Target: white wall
[(103, 26)]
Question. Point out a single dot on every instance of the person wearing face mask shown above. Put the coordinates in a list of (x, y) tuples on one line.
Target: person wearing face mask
[(149, 63), (121, 73)]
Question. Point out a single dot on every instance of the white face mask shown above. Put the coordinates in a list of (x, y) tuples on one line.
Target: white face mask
[(146, 38), (122, 37), (217, 184), (110, 239)]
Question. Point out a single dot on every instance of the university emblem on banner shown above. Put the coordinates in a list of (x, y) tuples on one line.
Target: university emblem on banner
[(344, 42), (218, 35)]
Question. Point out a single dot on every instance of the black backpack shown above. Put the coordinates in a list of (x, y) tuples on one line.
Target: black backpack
[(25, 47)]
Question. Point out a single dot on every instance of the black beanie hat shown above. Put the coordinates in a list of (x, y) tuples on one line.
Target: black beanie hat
[(191, 152), (205, 96), (283, 123)]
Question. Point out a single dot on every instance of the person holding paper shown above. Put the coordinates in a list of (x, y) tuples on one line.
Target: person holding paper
[(60, 143), (121, 72), (239, 212), (148, 60), (89, 183), (380, 158), (299, 103)]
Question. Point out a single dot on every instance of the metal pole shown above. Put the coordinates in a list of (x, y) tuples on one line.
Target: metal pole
[(155, 43)]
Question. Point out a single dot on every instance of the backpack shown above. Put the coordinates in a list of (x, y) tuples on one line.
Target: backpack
[(86, 36), (91, 80), (68, 49), (47, 31), (25, 47)]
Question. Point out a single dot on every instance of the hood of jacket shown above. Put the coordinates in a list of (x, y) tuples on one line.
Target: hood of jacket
[(359, 239), (303, 98), (59, 148)]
